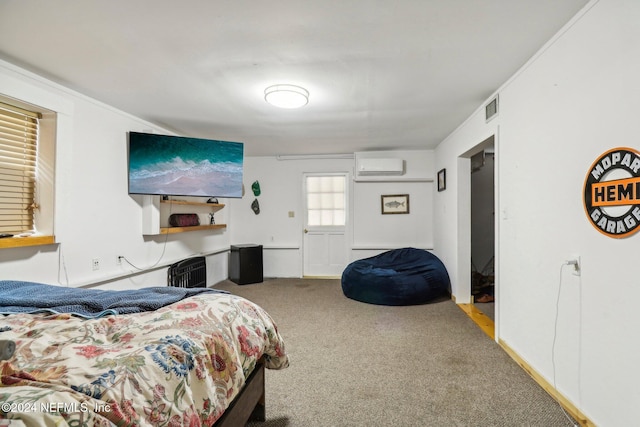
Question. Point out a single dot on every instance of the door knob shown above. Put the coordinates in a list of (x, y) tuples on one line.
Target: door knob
[(306, 231)]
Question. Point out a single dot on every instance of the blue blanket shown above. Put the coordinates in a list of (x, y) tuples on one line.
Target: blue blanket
[(29, 297)]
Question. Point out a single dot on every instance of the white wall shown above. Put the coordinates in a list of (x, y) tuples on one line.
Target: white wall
[(94, 215), (573, 101), (371, 232)]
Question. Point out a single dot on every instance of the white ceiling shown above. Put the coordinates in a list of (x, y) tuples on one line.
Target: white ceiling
[(382, 74)]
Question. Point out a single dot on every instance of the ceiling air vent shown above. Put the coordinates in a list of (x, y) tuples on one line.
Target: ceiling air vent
[(371, 167)]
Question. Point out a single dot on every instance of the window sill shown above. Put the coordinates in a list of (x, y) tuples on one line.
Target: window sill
[(19, 242)]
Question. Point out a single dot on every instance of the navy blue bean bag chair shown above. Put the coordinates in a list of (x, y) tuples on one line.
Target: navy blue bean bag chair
[(406, 276)]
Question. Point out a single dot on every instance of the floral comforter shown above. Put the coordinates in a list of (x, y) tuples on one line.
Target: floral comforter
[(180, 365)]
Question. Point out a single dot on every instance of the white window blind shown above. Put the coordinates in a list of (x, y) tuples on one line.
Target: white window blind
[(18, 154)]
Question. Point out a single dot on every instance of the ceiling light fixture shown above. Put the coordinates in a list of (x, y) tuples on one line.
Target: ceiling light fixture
[(286, 96)]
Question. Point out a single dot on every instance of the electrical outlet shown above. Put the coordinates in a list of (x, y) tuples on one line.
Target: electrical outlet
[(119, 259), (95, 264), (574, 261)]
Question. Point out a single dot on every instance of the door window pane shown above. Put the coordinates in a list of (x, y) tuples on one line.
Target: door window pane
[(326, 200)]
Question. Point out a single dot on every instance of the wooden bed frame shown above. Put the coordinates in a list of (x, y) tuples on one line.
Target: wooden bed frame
[(249, 404)]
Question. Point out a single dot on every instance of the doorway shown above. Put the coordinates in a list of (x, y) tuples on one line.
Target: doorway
[(483, 230), (325, 224), (466, 261)]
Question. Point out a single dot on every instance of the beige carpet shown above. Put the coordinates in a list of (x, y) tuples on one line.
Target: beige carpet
[(356, 364)]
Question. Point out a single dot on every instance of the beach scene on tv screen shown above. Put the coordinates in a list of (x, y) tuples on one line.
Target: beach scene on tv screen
[(184, 166)]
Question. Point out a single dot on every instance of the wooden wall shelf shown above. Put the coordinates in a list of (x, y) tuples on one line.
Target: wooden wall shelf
[(172, 230), (156, 212), (213, 206)]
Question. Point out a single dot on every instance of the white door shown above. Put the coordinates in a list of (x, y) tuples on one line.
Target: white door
[(324, 242)]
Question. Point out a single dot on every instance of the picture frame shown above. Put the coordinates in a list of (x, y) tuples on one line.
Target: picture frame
[(442, 179), (394, 204)]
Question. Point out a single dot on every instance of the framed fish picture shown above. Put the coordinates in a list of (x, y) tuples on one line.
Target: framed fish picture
[(395, 204)]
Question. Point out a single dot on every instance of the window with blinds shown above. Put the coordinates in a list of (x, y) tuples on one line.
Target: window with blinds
[(18, 158)]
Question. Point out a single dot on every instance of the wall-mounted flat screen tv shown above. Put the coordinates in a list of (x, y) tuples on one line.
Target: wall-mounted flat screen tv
[(181, 166)]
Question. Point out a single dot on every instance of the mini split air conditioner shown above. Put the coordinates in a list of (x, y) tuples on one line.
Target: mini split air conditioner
[(386, 167)]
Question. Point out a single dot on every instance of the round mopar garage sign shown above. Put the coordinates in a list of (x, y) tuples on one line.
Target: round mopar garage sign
[(612, 193)]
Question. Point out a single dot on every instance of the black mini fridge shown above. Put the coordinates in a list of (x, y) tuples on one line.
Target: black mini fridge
[(245, 264)]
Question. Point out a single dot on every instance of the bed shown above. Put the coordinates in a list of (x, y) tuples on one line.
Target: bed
[(134, 358)]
